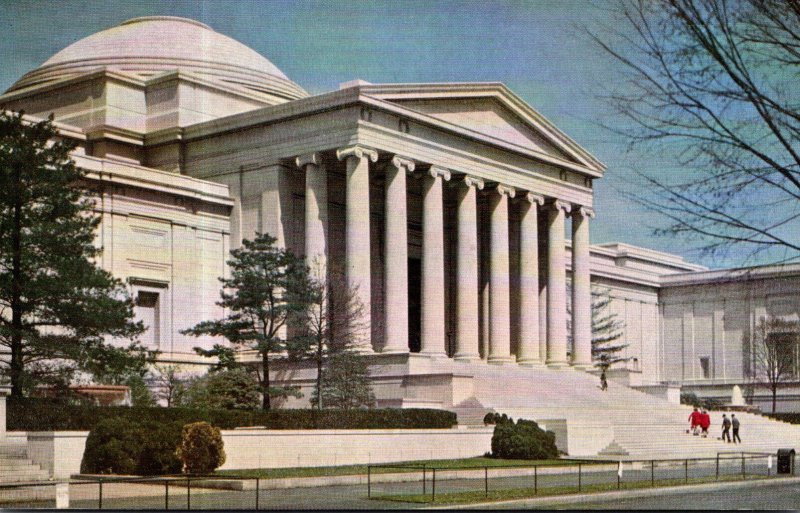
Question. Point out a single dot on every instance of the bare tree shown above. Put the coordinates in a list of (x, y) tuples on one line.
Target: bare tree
[(710, 86), (774, 345), (335, 324), (170, 384)]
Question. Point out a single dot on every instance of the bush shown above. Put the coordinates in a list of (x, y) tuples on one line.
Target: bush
[(492, 418), (50, 415), (201, 450), (119, 446), (791, 418), (231, 389), (691, 399), (524, 440)]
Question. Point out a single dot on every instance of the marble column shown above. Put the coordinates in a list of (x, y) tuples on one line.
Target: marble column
[(432, 329), (467, 304), (581, 289), (499, 273), (316, 214), (357, 238), (528, 352), (556, 286), (396, 257)]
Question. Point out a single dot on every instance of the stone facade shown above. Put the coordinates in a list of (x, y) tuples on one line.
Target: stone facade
[(446, 205)]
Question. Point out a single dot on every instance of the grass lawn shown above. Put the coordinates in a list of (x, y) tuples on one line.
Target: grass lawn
[(479, 496), (344, 470)]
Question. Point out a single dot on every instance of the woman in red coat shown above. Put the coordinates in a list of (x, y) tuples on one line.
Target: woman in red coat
[(705, 422)]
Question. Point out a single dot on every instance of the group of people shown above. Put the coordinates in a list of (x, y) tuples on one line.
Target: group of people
[(700, 421)]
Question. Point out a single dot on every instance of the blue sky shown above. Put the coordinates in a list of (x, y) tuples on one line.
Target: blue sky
[(537, 48)]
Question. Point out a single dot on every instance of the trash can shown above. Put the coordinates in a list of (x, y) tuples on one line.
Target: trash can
[(786, 461)]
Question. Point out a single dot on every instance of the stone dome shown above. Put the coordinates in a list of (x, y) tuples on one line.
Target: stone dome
[(153, 45)]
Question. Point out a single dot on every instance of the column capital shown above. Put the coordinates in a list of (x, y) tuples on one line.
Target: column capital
[(584, 211), (562, 205), (473, 181), (358, 151), (533, 198), (505, 190), (435, 171), (308, 158), (403, 163)]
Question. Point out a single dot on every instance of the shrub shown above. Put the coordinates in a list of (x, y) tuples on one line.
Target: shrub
[(119, 446), (496, 418), (51, 415), (231, 389), (201, 449), (524, 440), (691, 398)]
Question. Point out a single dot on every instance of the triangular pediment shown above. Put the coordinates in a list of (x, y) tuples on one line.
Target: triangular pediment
[(490, 111), (489, 117)]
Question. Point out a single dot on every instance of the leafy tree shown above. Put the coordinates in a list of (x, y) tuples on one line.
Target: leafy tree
[(141, 396), (774, 346), (225, 355), (606, 330), (233, 389), (711, 86), (334, 324), (56, 306), (267, 288)]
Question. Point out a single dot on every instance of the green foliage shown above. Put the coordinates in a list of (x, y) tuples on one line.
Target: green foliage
[(201, 450), (58, 306), (267, 288), (225, 355), (606, 329), (140, 393), (50, 415), (346, 382), (496, 418), (233, 389), (524, 440), (123, 446), (707, 403), (791, 418)]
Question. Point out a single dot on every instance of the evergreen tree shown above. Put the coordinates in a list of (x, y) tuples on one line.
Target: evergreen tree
[(606, 329), (346, 382), (57, 307), (267, 289)]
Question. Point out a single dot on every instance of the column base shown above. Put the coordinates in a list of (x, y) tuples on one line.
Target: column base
[(499, 360), (585, 367), (559, 365), (395, 351), (433, 355), (530, 363), (475, 357)]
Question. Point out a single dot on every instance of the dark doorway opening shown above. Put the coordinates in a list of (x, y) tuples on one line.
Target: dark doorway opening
[(414, 306)]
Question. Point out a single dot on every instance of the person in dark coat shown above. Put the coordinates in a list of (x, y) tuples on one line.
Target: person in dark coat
[(735, 424), (726, 428)]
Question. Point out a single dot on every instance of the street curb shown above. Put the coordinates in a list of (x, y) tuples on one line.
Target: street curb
[(617, 495)]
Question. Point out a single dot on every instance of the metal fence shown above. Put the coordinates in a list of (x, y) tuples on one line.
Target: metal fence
[(425, 482)]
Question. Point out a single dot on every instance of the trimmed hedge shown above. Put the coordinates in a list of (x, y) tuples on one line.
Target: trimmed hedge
[(50, 415), (524, 440), (791, 418), (119, 446)]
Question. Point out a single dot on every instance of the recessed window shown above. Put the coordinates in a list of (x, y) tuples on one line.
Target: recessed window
[(705, 366), (147, 311)]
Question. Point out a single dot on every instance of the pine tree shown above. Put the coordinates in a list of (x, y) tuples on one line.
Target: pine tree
[(266, 291), (606, 329), (56, 306)]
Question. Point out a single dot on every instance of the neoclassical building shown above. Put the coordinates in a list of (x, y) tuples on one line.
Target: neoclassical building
[(457, 211)]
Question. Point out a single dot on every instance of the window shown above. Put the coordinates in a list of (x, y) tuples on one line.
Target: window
[(147, 311), (705, 365)]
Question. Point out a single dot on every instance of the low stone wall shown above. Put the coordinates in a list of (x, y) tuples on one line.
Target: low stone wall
[(256, 448), (61, 452)]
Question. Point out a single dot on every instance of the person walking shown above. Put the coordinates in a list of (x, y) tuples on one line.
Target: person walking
[(726, 428), (705, 422), (603, 381), (735, 424), (694, 421)]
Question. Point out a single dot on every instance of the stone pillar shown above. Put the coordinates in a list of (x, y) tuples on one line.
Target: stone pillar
[(5, 391), (357, 239), (556, 286), (432, 328), (528, 352), (316, 214), (467, 304), (396, 257), (499, 286), (581, 290)]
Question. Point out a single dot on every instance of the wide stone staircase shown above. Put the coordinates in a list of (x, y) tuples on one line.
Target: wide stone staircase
[(619, 423), (16, 467)]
